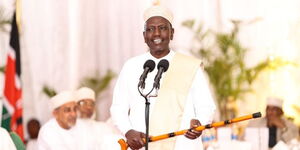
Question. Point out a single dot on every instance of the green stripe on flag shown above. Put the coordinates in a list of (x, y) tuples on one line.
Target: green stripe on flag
[(6, 117)]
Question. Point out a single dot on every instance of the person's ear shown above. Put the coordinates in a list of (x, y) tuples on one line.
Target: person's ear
[(172, 33), (281, 112), (55, 112), (144, 35)]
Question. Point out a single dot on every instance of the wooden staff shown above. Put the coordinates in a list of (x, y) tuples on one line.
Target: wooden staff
[(124, 145)]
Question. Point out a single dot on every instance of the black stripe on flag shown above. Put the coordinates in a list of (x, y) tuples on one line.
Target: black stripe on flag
[(14, 43)]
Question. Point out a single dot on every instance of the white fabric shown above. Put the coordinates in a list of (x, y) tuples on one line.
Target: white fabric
[(32, 145), (84, 93), (261, 140), (283, 146), (274, 101), (199, 103), (158, 10), (62, 98), (53, 137), (102, 135), (6, 142)]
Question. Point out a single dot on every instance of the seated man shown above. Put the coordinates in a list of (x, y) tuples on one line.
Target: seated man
[(85, 98), (64, 131), (101, 134), (279, 127)]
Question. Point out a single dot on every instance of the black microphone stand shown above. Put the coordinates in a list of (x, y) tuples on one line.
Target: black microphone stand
[(162, 67), (147, 112)]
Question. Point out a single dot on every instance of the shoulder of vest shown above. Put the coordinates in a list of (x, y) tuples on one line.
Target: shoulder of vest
[(189, 58)]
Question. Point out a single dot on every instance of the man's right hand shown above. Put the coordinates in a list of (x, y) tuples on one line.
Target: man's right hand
[(135, 139), (276, 121)]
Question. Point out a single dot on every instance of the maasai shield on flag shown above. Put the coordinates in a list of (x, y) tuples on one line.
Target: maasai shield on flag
[(12, 104)]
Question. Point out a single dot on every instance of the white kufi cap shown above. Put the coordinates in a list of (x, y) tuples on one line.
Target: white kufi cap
[(273, 101), (61, 98), (158, 10), (85, 93)]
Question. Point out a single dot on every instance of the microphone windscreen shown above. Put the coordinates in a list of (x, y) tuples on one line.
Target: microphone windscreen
[(164, 64), (150, 64)]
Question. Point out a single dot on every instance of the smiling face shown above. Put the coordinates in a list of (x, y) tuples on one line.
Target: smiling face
[(158, 34)]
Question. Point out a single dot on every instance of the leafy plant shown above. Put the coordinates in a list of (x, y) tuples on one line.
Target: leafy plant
[(49, 91), (98, 84), (224, 63), (2, 69)]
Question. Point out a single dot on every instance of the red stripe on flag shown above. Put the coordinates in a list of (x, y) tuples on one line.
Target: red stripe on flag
[(13, 94)]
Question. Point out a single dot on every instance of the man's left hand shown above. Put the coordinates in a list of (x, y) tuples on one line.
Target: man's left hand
[(193, 134)]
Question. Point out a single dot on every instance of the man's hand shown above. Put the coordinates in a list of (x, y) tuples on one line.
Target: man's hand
[(193, 134), (135, 139), (276, 121)]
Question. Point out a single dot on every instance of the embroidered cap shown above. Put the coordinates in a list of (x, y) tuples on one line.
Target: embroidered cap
[(85, 93), (158, 10)]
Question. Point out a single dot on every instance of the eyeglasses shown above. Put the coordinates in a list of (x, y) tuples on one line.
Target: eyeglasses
[(86, 103)]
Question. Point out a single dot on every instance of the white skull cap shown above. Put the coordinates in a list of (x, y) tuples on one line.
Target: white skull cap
[(85, 93), (158, 10), (61, 99), (274, 101)]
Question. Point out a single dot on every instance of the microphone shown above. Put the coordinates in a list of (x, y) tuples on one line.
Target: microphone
[(162, 67), (148, 67)]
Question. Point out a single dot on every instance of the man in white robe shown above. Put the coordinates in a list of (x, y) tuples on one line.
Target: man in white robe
[(193, 108), (6, 143), (64, 131), (100, 133)]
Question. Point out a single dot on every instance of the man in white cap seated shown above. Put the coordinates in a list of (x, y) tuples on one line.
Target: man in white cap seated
[(100, 132), (85, 98), (183, 100), (64, 131), (279, 127)]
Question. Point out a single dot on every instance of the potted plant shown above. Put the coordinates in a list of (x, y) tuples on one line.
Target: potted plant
[(224, 63)]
